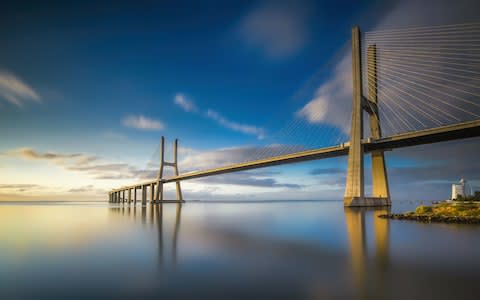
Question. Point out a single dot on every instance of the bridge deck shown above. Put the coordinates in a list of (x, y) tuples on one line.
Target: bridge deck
[(427, 136)]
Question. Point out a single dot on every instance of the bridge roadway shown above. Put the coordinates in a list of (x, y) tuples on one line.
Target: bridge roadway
[(426, 136)]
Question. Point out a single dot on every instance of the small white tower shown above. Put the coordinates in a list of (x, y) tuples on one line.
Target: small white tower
[(458, 189)]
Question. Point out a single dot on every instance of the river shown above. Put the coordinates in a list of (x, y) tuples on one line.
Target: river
[(231, 250)]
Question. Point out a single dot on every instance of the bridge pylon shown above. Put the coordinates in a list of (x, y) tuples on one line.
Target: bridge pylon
[(354, 188), (160, 180)]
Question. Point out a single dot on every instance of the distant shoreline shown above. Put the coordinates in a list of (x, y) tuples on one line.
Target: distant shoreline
[(443, 212), (188, 201)]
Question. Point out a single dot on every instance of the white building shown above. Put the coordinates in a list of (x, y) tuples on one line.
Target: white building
[(458, 189)]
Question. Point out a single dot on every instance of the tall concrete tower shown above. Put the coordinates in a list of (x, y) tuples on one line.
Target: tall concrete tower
[(354, 188)]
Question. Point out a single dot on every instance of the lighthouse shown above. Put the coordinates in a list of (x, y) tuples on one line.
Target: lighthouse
[(458, 189)]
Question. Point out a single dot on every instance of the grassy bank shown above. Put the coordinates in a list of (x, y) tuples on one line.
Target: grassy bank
[(447, 212)]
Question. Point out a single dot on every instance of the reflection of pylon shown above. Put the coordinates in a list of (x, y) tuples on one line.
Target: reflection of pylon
[(163, 163), (362, 272), (159, 219)]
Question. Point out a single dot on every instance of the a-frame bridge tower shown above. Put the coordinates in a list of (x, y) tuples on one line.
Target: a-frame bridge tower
[(354, 187)]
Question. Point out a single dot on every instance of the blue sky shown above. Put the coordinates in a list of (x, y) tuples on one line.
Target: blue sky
[(101, 81)]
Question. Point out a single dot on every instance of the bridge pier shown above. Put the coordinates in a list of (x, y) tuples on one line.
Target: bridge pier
[(175, 166), (380, 188), (144, 195), (152, 193), (135, 196), (129, 195), (159, 193)]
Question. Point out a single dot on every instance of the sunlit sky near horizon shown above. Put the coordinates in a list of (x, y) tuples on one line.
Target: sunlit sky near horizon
[(88, 88)]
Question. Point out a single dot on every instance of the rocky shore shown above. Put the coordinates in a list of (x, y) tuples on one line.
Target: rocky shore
[(433, 219), (451, 212)]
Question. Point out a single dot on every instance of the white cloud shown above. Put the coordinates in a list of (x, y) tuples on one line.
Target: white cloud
[(332, 101), (186, 104), (142, 122), (278, 28), (59, 158), (15, 91), (243, 128)]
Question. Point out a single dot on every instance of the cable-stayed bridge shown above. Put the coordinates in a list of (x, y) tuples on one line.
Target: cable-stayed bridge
[(416, 86)]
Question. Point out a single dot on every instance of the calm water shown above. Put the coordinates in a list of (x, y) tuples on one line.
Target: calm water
[(287, 250)]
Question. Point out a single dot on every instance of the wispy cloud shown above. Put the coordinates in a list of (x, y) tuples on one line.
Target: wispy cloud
[(91, 165), (278, 28), (20, 187), (326, 171), (31, 154), (15, 91), (243, 128), (189, 106), (332, 101), (82, 189), (186, 104), (143, 123)]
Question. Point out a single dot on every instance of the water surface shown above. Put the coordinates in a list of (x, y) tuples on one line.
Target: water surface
[(231, 250)]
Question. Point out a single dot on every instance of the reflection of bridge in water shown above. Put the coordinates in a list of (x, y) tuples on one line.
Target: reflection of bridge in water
[(360, 271), (154, 216), (355, 219), (206, 257), (422, 84)]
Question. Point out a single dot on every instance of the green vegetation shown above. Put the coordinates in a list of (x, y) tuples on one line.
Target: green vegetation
[(467, 212), (475, 197)]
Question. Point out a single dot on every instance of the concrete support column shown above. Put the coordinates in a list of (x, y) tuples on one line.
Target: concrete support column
[(135, 196), (152, 193), (175, 161), (354, 188), (159, 194), (129, 195), (144, 195), (379, 171)]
